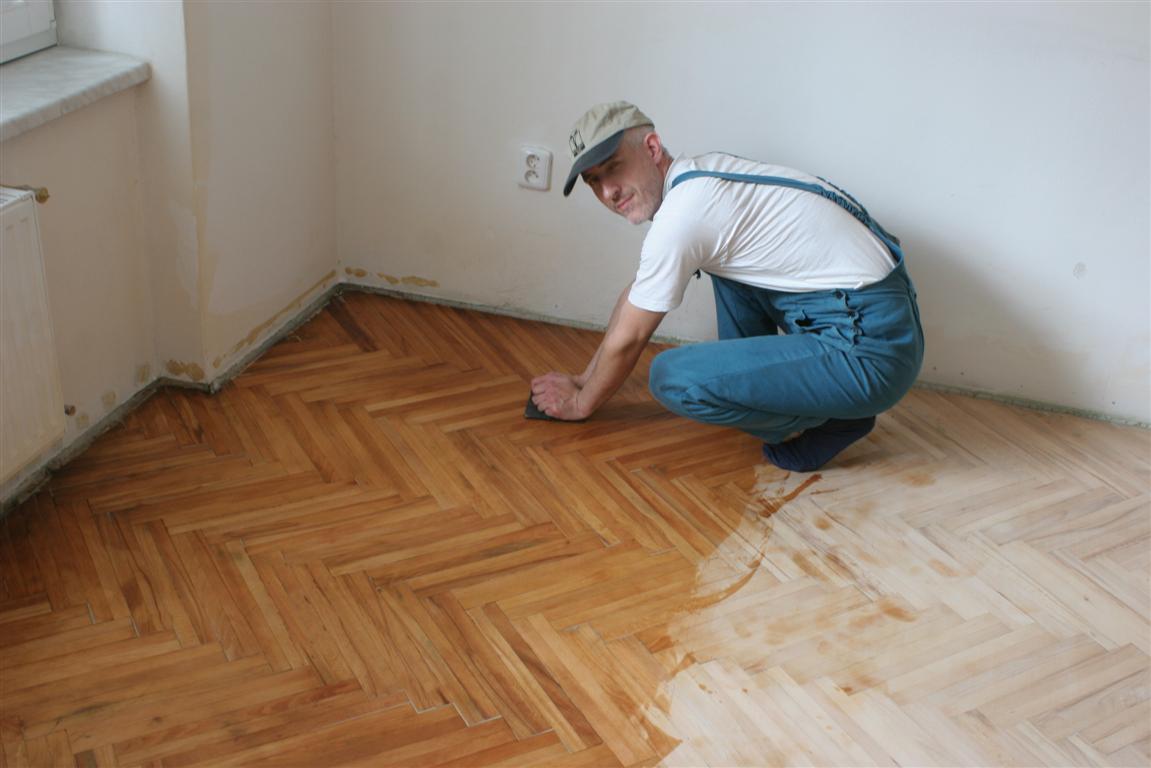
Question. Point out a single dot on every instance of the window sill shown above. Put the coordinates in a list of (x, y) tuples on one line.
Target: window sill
[(46, 85)]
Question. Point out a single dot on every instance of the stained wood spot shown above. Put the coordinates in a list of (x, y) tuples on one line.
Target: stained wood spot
[(771, 506), (919, 479), (805, 565), (897, 612)]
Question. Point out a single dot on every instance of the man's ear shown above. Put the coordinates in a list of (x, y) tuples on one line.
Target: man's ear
[(652, 145)]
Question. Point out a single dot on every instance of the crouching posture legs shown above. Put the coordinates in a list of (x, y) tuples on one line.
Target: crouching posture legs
[(844, 357)]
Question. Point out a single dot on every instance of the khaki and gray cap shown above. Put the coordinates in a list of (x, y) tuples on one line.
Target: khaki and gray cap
[(596, 135)]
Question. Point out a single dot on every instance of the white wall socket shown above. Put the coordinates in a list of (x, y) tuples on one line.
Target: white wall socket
[(535, 167)]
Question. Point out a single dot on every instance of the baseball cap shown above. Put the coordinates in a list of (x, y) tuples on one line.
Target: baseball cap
[(595, 136)]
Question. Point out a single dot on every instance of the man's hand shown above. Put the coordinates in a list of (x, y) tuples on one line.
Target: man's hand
[(557, 395), (574, 398)]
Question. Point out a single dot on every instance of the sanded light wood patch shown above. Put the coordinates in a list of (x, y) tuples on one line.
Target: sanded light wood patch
[(360, 553)]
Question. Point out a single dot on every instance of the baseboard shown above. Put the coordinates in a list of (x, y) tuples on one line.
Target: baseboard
[(313, 308), (506, 311), (523, 314), (32, 480), (1033, 405)]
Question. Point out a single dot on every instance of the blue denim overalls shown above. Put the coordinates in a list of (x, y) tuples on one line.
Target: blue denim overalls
[(847, 354)]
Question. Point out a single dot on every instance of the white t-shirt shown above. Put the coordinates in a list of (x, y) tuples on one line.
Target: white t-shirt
[(765, 235)]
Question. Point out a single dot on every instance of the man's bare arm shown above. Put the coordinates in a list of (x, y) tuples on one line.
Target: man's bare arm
[(582, 379), (561, 397)]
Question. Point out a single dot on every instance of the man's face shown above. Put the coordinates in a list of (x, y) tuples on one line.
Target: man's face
[(629, 182)]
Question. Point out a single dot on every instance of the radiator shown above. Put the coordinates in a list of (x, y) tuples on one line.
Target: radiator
[(31, 405)]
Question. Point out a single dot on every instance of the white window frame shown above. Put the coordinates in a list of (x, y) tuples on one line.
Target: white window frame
[(26, 26)]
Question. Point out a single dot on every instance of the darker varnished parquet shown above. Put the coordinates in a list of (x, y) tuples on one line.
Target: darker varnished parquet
[(360, 553)]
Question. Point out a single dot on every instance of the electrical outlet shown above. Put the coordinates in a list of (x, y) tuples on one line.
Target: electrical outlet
[(535, 167)]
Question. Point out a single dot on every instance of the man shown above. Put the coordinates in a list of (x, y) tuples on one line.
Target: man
[(785, 251)]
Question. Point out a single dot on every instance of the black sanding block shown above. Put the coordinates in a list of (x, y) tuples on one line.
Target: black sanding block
[(533, 412)]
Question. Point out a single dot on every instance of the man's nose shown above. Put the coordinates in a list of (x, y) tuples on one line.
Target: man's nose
[(610, 191)]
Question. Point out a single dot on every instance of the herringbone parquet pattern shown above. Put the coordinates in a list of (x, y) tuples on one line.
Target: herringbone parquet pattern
[(360, 553)]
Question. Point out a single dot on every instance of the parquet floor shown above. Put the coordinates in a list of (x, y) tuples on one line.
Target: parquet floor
[(360, 553)]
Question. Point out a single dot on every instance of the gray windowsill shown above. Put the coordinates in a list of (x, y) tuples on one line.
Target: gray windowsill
[(54, 82)]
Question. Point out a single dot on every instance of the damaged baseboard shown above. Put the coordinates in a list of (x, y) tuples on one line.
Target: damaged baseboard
[(36, 476), (310, 310), (33, 479)]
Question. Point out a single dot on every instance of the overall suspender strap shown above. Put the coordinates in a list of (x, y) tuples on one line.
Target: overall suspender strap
[(835, 195)]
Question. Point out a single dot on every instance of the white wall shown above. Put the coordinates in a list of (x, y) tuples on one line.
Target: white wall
[(194, 215), (1005, 143), (236, 144), (119, 232), (154, 32), (260, 82), (97, 274)]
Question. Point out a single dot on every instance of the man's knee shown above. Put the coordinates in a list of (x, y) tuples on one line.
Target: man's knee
[(676, 382), (667, 381)]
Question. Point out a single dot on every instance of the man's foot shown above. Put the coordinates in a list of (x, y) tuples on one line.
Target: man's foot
[(818, 445)]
